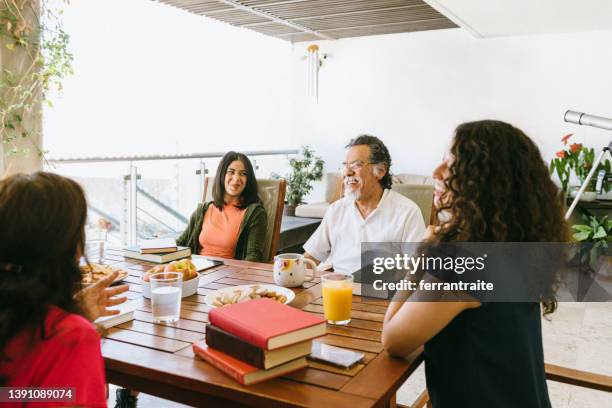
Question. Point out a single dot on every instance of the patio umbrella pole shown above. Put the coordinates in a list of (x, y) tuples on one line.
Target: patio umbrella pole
[(587, 120)]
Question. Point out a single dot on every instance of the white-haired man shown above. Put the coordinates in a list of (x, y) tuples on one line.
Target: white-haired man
[(369, 211)]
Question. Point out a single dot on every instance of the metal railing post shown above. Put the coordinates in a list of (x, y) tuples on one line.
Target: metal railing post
[(255, 166), (132, 226), (202, 172), (124, 218)]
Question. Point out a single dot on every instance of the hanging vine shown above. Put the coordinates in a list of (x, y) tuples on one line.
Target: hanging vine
[(32, 27)]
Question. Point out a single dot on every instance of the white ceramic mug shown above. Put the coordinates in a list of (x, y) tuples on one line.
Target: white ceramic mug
[(290, 270)]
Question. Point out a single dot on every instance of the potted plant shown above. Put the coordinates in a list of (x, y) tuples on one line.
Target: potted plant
[(578, 159), (305, 169), (597, 232)]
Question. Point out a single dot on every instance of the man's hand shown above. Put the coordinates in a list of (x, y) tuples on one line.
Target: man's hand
[(97, 298)]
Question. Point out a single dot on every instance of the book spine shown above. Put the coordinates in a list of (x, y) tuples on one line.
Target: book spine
[(219, 364), (281, 373), (235, 347), (233, 327), (143, 257)]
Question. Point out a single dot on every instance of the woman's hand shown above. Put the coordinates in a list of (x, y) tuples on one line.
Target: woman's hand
[(98, 297)]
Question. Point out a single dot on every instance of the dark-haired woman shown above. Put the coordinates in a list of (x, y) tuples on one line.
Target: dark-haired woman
[(492, 186), (234, 223), (44, 339)]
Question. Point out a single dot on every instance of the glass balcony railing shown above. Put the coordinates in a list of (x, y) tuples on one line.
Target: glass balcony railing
[(143, 197)]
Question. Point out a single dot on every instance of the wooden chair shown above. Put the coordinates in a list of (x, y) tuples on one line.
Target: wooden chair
[(272, 194), (554, 373)]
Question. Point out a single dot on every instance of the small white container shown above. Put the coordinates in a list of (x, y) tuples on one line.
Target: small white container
[(190, 287)]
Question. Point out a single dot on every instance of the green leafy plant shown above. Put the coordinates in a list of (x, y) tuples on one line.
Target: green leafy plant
[(597, 230), (579, 159), (596, 235), (45, 44), (305, 169)]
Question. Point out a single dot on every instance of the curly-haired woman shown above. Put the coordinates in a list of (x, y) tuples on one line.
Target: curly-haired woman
[(492, 186)]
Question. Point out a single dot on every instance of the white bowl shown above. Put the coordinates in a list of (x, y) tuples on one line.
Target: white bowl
[(190, 287)]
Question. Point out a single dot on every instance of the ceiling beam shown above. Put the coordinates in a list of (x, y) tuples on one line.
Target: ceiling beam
[(347, 13), (375, 25), (275, 19)]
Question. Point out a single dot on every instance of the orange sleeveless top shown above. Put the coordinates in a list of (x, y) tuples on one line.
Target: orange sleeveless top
[(220, 229)]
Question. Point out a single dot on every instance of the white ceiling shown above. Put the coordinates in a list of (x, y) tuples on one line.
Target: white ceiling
[(493, 18)]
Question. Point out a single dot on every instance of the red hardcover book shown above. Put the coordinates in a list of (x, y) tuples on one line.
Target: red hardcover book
[(267, 324), (242, 372)]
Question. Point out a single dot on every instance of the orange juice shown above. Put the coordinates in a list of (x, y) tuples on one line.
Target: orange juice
[(337, 297)]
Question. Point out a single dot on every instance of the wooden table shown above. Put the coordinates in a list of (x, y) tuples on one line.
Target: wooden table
[(157, 359)]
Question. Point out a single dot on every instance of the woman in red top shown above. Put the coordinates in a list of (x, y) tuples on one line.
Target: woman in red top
[(44, 340)]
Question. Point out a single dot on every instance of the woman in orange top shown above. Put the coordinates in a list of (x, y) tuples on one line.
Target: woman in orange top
[(234, 223)]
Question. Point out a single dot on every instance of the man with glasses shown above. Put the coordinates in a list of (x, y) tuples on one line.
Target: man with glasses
[(369, 211)]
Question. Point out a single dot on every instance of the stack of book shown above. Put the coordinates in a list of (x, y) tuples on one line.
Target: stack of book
[(157, 250), (258, 340)]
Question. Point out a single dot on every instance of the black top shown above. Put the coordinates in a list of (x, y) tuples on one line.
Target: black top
[(490, 356)]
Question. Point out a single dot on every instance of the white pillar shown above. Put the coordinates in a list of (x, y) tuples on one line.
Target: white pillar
[(18, 61)]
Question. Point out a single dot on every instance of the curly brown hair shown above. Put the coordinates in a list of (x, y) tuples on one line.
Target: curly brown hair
[(500, 190)]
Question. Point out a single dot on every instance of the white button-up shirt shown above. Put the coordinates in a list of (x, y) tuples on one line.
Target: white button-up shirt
[(338, 239)]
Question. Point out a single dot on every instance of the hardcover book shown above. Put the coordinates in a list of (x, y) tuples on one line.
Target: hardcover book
[(242, 372), (158, 246), (134, 253), (236, 347), (267, 324)]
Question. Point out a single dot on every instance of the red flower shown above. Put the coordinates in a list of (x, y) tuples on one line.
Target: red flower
[(564, 138), (575, 147), (561, 154)]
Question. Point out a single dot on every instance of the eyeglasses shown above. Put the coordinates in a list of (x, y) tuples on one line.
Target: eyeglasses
[(354, 165)]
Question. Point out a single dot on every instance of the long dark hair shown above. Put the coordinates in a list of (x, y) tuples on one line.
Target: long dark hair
[(501, 190), (42, 217), (249, 194)]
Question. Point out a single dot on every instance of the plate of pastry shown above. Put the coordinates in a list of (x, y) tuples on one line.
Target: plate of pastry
[(244, 293), (93, 272)]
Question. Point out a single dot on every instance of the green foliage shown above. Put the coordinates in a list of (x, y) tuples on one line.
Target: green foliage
[(46, 45), (304, 171), (578, 159), (597, 230)]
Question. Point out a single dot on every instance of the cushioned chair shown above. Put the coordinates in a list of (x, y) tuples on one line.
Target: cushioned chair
[(333, 192), (272, 194), (421, 194)]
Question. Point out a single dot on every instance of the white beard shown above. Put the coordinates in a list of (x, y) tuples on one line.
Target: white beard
[(352, 195)]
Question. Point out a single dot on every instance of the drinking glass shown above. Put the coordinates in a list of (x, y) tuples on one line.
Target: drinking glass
[(337, 297), (95, 241), (166, 288)]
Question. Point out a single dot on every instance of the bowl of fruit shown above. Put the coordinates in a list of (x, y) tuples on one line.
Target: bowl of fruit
[(191, 277)]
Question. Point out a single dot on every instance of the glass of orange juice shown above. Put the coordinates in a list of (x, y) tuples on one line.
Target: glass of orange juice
[(337, 297)]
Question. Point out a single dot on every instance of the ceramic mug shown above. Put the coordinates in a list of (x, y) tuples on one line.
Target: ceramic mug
[(290, 270)]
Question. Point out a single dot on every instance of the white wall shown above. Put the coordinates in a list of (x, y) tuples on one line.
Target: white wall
[(150, 78), (413, 89)]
